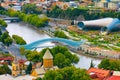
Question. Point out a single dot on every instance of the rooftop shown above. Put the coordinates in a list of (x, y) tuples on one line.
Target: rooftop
[(99, 74), (47, 55), (114, 78)]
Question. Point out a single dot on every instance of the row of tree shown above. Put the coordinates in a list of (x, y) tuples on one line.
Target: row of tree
[(110, 64), (19, 40), (31, 9), (33, 19), (70, 13), (80, 13), (7, 40), (62, 56), (60, 34), (67, 73)]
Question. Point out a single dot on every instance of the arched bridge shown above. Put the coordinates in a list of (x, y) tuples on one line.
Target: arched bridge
[(64, 41)]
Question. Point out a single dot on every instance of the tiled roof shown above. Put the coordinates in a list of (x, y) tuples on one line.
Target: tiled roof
[(6, 58), (21, 61), (100, 73), (47, 55), (114, 78)]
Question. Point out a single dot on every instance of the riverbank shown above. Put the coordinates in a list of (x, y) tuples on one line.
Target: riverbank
[(80, 52), (30, 35), (49, 33)]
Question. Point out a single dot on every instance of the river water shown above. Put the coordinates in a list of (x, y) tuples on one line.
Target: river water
[(29, 35)]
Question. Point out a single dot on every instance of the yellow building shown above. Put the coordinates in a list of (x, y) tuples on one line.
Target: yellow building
[(15, 68), (47, 59), (47, 65)]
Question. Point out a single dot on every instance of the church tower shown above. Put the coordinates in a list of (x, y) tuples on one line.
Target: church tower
[(15, 67), (47, 59)]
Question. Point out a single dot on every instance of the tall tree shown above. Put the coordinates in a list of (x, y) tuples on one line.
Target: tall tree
[(5, 69), (92, 64), (29, 68)]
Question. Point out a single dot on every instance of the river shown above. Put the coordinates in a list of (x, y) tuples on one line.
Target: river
[(29, 35)]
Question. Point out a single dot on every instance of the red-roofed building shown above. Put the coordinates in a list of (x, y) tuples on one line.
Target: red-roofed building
[(98, 74), (6, 58), (114, 78), (21, 64)]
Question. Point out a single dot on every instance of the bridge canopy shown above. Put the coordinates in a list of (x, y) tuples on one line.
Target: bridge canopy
[(61, 40)]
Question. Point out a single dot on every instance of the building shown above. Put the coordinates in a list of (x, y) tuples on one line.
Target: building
[(47, 65), (47, 60), (18, 67), (114, 78), (15, 67), (98, 74), (106, 5), (6, 60)]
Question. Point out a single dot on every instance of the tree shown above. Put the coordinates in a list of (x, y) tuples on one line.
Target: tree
[(22, 50), (110, 64), (38, 78), (59, 60), (3, 23), (75, 58), (60, 34), (19, 40), (4, 36), (61, 54), (29, 68), (30, 9), (0, 32), (92, 64), (12, 13), (67, 73), (52, 75), (105, 64), (5, 69), (1, 8), (8, 41)]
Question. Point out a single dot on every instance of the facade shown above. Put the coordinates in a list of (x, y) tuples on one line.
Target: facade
[(107, 5), (18, 67), (15, 68)]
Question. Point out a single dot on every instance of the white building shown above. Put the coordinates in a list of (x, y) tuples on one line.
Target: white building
[(107, 5)]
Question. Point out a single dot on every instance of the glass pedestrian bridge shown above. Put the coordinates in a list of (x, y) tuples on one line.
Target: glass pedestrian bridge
[(34, 44)]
